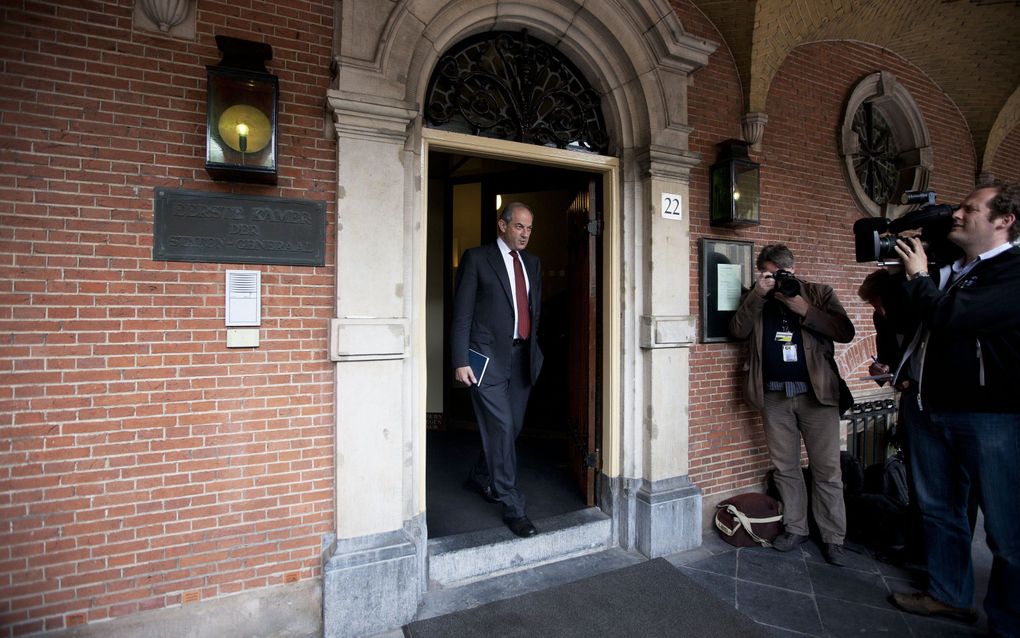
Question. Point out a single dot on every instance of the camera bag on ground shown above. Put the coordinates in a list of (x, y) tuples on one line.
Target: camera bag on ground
[(879, 516), (746, 520)]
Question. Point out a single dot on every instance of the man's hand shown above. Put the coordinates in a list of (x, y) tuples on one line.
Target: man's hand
[(912, 255), (766, 282), (798, 304), (465, 375), (878, 369)]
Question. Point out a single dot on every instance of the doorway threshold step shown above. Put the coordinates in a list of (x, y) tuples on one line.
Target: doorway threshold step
[(462, 558), (438, 602)]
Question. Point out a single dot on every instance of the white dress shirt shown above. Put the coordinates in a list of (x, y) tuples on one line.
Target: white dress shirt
[(508, 261)]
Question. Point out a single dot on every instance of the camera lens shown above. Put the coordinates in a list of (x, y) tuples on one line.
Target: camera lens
[(887, 247), (786, 284), (788, 287)]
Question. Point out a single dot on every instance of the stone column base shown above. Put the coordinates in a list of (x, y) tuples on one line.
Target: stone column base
[(370, 584), (668, 516)]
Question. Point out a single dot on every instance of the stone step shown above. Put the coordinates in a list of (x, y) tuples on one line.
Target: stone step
[(462, 558), (441, 601)]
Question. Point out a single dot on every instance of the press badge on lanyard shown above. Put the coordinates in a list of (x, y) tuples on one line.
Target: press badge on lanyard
[(785, 337)]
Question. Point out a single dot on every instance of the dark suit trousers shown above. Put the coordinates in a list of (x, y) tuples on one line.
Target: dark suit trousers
[(499, 410)]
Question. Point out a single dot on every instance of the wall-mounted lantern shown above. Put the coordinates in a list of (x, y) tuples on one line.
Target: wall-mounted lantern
[(735, 194), (240, 136)]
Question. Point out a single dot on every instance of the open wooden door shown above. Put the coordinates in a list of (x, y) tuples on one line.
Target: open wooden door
[(584, 228)]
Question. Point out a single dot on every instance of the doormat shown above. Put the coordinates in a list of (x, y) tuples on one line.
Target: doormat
[(651, 599)]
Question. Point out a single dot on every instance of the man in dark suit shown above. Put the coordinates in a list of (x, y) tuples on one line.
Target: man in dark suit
[(495, 312)]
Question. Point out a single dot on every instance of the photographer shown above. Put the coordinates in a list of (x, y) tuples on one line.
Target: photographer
[(966, 359), (791, 325)]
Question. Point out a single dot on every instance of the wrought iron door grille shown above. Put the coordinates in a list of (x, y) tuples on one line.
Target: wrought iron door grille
[(511, 86)]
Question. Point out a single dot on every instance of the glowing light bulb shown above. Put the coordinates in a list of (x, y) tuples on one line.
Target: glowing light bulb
[(736, 195), (499, 202), (242, 137)]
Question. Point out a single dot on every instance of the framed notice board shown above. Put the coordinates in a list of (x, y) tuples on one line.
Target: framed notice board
[(726, 273)]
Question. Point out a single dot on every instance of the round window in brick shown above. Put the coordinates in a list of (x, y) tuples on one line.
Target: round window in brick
[(884, 145)]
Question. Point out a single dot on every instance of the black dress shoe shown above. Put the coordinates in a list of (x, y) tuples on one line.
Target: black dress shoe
[(520, 526), (484, 490)]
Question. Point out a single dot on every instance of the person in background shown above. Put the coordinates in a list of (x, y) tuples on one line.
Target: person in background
[(893, 319), (895, 323), (792, 380)]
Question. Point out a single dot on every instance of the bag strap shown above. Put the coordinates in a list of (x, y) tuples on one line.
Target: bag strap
[(742, 520)]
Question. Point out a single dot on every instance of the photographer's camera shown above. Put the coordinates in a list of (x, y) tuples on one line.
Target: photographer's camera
[(786, 284)]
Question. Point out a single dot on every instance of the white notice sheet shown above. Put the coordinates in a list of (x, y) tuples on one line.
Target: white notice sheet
[(729, 286)]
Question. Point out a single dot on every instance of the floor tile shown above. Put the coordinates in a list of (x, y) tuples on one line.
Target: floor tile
[(901, 571), (778, 607), (777, 632), (775, 569), (843, 583), (841, 618), (722, 587), (711, 545), (922, 627), (724, 564)]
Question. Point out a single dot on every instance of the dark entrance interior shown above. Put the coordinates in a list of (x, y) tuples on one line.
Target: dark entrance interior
[(558, 448)]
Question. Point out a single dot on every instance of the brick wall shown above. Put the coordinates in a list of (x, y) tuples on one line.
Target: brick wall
[(140, 459), (1006, 163), (806, 205)]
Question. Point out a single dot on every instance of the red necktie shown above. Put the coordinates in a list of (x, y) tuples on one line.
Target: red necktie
[(521, 290)]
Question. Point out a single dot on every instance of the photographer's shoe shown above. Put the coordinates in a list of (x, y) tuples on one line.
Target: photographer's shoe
[(787, 541), (923, 604), (833, 554)]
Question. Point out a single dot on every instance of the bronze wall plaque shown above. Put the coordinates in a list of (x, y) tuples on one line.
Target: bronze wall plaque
[(238, 229)]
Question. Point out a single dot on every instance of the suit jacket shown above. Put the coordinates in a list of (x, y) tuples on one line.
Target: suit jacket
[(483, 311), (826, 321)]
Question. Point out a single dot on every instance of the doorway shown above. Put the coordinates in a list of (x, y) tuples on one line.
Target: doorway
[(559, 447)]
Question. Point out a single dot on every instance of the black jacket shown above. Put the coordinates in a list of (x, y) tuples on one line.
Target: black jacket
[(483, 311), (972, 357)]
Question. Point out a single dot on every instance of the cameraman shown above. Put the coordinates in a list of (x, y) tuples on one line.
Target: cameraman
[(966, 360), (792, 380)]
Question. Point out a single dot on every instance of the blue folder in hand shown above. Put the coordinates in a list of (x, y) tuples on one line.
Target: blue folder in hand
[(478, 362)]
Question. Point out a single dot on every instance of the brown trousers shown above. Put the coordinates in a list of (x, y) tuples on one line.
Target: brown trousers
[(786, 420)]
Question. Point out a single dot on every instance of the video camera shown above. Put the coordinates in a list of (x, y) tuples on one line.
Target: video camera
[(875, 237)]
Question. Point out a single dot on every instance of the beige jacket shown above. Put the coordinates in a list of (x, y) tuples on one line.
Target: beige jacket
[(826, 322)]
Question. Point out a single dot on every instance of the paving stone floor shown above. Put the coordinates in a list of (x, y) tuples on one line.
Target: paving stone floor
[(791, 594), (798, 594)]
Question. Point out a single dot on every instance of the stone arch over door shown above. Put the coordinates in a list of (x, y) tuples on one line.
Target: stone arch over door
[(636, 54)]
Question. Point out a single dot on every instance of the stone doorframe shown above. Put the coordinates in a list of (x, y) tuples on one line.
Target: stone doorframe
[(637, 56)]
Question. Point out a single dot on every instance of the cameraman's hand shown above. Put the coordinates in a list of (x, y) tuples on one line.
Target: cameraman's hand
[(912, 255), (766, 282), (798, 304)]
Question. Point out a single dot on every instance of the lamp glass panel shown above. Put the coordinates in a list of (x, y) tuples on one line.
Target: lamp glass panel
[(721, 192), (240, 118), (746, 195)]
